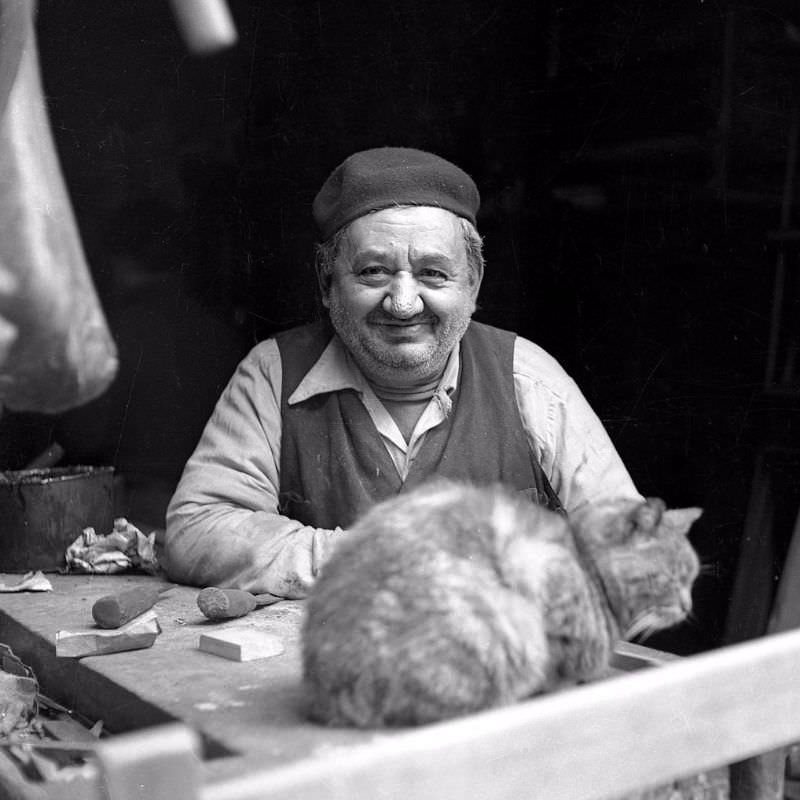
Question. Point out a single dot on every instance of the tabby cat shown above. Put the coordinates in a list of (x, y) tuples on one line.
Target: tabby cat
[(453, 598)]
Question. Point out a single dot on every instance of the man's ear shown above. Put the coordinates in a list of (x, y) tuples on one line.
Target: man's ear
[(324, 281), (477, 278)]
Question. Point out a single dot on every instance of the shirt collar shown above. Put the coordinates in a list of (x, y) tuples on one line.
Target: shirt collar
[(335, 370)]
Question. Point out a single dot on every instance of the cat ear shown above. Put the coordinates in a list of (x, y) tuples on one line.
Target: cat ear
[(647, 515), (683, 518)]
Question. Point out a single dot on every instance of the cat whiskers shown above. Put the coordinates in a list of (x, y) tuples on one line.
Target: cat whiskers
[(691, 619), (646, 623), (710, 569)]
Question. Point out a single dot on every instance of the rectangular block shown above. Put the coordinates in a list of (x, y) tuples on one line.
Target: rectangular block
[(241, 644)]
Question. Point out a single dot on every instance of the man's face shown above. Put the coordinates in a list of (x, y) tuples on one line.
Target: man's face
[(402, 293)]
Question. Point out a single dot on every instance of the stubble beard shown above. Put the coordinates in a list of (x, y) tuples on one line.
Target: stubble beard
[(398, 364)]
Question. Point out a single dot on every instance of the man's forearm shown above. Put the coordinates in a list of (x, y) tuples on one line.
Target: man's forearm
[(256, 551)]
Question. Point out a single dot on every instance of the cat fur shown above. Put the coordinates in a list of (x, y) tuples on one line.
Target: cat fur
[(453, 598)]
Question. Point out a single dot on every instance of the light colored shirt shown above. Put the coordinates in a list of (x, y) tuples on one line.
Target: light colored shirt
[(223, 524)]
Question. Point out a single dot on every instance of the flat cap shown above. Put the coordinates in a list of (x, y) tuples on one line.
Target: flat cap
[(392, 176)]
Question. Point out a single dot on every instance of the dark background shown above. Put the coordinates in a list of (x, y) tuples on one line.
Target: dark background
[(632, 159)]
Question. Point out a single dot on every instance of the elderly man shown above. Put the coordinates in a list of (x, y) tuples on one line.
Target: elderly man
[(396, 385)]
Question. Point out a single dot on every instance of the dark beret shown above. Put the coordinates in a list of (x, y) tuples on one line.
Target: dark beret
[(392, 176)]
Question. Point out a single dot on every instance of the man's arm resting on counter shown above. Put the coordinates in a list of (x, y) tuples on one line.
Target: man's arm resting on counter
[(223, 524)]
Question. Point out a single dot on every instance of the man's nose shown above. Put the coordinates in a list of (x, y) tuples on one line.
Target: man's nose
[(403, 300)]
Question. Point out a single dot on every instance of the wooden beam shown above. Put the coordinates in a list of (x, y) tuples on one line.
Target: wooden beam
[(586, 743), (158, 764)]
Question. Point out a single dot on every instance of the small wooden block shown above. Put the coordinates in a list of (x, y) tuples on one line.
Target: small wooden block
[(137, 634), (241, 644)]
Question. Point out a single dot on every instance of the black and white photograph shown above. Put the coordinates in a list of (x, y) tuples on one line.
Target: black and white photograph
[(399, 400)]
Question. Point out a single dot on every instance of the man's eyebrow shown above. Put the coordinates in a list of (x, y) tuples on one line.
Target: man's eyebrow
[(431, 257), (360, 256)]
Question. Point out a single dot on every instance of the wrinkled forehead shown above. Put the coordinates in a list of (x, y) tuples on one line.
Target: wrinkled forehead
[(420, 231)]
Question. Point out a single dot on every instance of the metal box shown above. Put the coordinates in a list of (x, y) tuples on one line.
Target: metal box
[(42, 511)]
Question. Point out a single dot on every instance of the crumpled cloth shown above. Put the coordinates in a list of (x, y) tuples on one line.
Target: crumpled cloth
[(126, 547)]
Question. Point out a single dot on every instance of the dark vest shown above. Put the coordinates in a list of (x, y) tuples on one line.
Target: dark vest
[(334, 464)]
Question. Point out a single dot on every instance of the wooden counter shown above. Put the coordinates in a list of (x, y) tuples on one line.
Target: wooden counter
[(605, 740), (249, 714)]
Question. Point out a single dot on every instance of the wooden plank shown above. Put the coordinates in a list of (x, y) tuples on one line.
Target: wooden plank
[(588, 743), (786, 608), (69, 730), (160, 764), (751, 596), (630, 656)]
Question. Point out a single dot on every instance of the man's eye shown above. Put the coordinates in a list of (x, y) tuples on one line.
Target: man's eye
[(371, 272), (433, 275)]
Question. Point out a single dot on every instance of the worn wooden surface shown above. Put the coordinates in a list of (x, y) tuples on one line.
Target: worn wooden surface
[(677, 719), (250, 711)]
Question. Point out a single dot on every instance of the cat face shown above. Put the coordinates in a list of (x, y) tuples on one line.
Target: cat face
[(644, 559)]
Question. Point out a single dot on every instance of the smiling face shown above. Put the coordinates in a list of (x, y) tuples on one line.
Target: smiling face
[(402, 293)]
